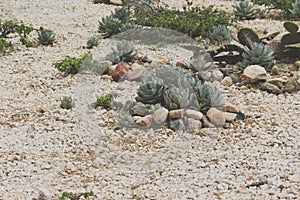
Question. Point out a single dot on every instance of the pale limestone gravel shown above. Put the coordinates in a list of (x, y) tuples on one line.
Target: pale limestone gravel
[(44, 148)]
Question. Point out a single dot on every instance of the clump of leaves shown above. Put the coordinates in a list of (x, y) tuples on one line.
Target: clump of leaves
[(106, 101), (220, 34), (24, 32), (92, 42), (194, 21), (245, 11), (4, 45), (70, 65), (67, 103), (46, 37), (7, 27), (74, 196), (123, 53), (259, 54)]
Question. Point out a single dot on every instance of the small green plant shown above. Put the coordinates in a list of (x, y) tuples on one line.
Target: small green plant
[(24, 32), (67, 103), (7, 27), (46, 37), (150, 91), (259, 54), (4, 45), (245, 11), (123, 53), (220, 34), (125, 120), (92, 42), (295, 10), (106, 101), (70, 65), (179, 97), (74, 196)]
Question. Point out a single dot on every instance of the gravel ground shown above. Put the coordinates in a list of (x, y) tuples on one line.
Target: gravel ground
[(46, 149)]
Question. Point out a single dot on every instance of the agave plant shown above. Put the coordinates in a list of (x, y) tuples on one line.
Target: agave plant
[(123, 53), (179, 97), (150, 91), (67, 103), (295, 11), (208, 96), (109, 26), (125, 120), (220, 34), (259, 54), (92, 42), (245, 11), (169, 74), (46, 37)]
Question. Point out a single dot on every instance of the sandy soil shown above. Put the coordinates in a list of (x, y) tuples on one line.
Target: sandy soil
[(44, 148)]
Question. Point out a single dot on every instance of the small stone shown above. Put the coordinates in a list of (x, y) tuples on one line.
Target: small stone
[(139, 109), (227, 81), (194, 114), (217, 75), (277, 81), (275, 70), (231, 108), (136, 74), (229, 117), (116, 2), (145, 121), (119, 72), (176, 114), (254, 73), (160, 115), (270, 88), (193, 125), (292, 85), (206, 123), (216, 117)]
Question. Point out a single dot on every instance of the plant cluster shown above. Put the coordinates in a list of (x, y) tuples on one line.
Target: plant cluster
[(70, 65), (106, 101), (245, 11), (67, 103), (123, 53), (193, 21), (46, 37), (92, 42), (220, 34), (73, 196)]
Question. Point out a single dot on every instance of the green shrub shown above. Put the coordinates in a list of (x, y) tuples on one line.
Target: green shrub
[(70, 65), (4, 45), (106, 101)]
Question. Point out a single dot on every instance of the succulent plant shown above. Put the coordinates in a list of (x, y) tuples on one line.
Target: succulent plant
[(92, 42), (178, 97), (67, 103), (105, 101), (125, 120), (70, 65), (151, 91), (260, 54), (170, 74), (220, 34), (245, 11), (46, 37), (109, 26), (208, 96), (295, 10), (123, 53)]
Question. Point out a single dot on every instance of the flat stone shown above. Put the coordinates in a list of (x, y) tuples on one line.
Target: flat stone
[(270, 88), (160, 115), (144, 122), (116, 2), (292, 85), (193, 125), (227, 81), (229, 117), (254, 73), (193, 114), (139, 109), (216, 117), (176, 114), (279, 82), (231, 108)]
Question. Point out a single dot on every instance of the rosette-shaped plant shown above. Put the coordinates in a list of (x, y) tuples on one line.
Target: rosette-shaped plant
[(46, 37), (295, 11), (178, 97), (208, 96), (245, 11), (169, 74), (92, 42), (150, 91), (220, 34), (259, 54), (123, 53)]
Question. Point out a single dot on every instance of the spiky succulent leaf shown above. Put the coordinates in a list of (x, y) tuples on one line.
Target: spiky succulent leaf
[(260, 54), (151, 92), (208, 97), (178, 97), (46, 37), (220, 34), (109, 26), (169, 74), (245, 11)]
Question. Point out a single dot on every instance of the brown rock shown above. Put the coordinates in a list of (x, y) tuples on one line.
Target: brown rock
[(292, 85), (144, 122), (116, 2), (270, 88), (206, 123), (277, 81), (254, 73), (216, 117), (139, 109), (193, 125), (227, 81), (137, 73), (176, 114), (194, 114), (231, 108), (119, 72)]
